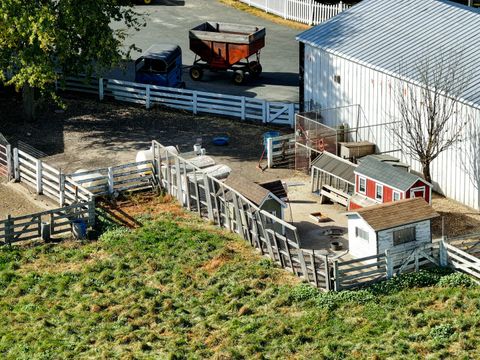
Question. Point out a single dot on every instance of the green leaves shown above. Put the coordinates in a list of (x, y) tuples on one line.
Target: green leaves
[(39, 39)]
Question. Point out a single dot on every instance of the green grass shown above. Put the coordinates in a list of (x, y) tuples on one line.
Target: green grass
[(180, 289)]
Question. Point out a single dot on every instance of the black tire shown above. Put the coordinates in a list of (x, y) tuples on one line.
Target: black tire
[(196, 73), (238, 77), (255, 68)]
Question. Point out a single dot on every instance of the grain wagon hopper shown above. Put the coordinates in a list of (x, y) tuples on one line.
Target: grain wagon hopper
[(221, 46)]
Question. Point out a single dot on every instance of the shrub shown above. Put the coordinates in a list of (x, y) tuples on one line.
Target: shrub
[(456, 279), (442, 332)]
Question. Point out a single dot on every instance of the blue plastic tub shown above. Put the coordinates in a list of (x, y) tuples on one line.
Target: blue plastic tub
[(79, 229), (221, 140), (270, 134)]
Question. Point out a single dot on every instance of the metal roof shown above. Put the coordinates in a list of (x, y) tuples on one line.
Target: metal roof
[(335, 166), (165, 52), (386, 173), (393, 36), (397, 213)]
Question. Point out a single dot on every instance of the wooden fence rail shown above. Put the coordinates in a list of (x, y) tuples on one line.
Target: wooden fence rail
[(239, 107), (281, 151), (309, 12), (29, 227), (461, 260)]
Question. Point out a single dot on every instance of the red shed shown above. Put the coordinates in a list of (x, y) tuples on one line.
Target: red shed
[(380, 180)]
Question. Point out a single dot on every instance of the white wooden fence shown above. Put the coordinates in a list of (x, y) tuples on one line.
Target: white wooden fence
[(281, 151), (47, 180), (461, 260), (309, 12), (239, 107), (117, 179), (29, 227), (5, 157)]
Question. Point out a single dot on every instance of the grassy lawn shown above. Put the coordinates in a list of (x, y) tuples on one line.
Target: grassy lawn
[(178, 288)]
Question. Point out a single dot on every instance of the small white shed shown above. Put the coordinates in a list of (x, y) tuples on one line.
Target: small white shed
[(399, 225)]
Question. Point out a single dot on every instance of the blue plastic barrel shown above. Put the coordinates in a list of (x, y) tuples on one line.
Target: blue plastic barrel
[(79, 229), (270, 134)]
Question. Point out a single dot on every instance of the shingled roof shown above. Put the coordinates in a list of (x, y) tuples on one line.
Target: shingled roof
[(397, 213), (253, 192), (386, 173), (335, 166)]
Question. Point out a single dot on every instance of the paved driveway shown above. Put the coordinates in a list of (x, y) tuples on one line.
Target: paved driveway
[(169, 21)]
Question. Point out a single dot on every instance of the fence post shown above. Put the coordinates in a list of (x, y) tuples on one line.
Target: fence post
[(328, 285), (91, 212), (340, 6), (285, 7), (9, 230), (443, 253), (291, 115), (336, 274), (100, 89), (147, 96), (265, 111), (269, 153), (39, 177), (243, 109), (61, 190), (16, 165), (194, 102), (310, 14), (389, 263), (110, 180), (9, 162)]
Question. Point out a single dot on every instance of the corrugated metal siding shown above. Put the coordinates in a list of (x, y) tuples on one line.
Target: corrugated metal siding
[(374, 92), (392, 36)]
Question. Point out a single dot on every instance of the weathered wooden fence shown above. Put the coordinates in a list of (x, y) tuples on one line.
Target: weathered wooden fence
[(47, 180), (281, 151), (227, 208), (239, 107), (5, 157), (29, 227), (117, 179), (309, 12), (461, 260)]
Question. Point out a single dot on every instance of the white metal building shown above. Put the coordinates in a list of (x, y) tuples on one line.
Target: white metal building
[(352, 64)]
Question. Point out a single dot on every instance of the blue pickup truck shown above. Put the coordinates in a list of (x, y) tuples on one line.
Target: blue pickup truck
[(161, 65)]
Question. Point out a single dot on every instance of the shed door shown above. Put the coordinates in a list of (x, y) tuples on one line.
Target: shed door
[(418, 192)]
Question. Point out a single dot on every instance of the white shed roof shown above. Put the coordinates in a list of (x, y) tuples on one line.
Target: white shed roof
[(392, 36)]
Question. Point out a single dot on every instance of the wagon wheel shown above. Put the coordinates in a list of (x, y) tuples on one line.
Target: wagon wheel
[(196, 73), (254, 68), (238, 77)]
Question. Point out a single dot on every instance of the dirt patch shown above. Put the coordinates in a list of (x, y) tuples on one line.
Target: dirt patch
[(15, 201)]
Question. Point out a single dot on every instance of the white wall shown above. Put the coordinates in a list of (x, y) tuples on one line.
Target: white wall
[(422, 233), (359, 247), (375, 93)]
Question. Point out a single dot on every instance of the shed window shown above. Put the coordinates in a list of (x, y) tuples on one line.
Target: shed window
[(360, 233), (404, 236), (337, 79), (362, 185), (378, 192), (396, 196)]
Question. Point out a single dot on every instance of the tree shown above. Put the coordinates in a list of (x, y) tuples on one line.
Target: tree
[(41, 38), (429, 122), (470, 157)]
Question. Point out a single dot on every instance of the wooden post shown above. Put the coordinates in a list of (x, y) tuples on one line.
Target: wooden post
[(275, 240), (179, 181), (52, 224), (269, 152), (416, 251), (243, 109), (327, 274), (389, 263), (9, 162), (147, 96), (206, 183), (315, 278), (336, 273), (187, 187), (9, 228), (311, 12), (91, 212), (194, 102), (291, 115), (265, 113), (197, 193), (16, 165), (39, 177), (443, 253), (61, 190), (303, 265), (100, 89), (110, 181)]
